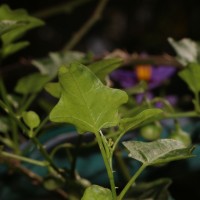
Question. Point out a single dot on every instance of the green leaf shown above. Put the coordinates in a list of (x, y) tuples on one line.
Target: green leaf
[(95, 192), (52, 183), (50, 65), (103, 67), (191, 75), (158, 152), (14, 24), (85, 102), (54, 89), (8, 25), (12, 48), (18, 15), (187, 50), (155, 190), (145, 116), (31, 119), (31, 84)]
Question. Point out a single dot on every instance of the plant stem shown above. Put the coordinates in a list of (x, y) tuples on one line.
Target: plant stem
[(61, 8), (86, 26), (47, 158), (107, 165), (25, 159), (131, 182)]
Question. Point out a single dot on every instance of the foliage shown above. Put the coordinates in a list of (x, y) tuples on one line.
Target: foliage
[(84, 99)]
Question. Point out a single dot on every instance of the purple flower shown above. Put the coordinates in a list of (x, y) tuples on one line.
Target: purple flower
[(154, 75)]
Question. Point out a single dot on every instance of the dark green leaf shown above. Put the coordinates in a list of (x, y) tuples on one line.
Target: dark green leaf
[(158, 152), (31, 84), (191, 75), (155, 190), (145, 116), (95, 192), (85, 102), (103, 67)]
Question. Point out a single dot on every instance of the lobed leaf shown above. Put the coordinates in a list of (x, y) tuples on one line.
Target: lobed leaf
[(158, 152), (85, 102), (96, 192)]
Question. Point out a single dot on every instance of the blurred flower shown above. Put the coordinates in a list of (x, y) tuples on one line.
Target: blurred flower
[(153, 75)]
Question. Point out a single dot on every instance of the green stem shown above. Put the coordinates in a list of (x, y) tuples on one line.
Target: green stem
[(86, 26), (131, 182), (27, 103), (28, 160), (61, 8), (107, 165), (197, 106), (47, 157)]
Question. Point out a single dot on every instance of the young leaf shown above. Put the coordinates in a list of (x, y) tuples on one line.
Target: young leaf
[(85, 102), (158, 152), (31, 84), (31, 119), (97, 192), (145, 116), (103, 67), (191, 75)]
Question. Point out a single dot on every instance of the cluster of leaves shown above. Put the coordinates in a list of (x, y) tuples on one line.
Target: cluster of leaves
[(85, 101)]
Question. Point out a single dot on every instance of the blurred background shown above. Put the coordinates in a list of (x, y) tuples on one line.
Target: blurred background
[(140, 26)]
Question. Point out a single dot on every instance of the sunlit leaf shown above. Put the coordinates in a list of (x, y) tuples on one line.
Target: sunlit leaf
[(95, 192), (103, 67), (85, 102), (147, 115), (191, 75), (31, 84), (159, 151)]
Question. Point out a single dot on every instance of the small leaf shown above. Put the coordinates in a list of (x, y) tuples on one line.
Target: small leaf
[(155, 190), (191, 75), (12, 48), (31, 119), (32, 83), (50, 65), (95, 192), (145, 116), (52, 183), (85, 102), (103, 67), (8, 25), (158, 152), (187, 50)]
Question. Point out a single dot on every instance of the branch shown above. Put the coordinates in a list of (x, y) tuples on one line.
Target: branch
[(86, 26)]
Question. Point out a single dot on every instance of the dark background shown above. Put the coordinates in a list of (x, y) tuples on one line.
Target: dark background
[(132, 25)]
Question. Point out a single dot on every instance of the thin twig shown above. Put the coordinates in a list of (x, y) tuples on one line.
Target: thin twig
[(61, 8), (86, 26)]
